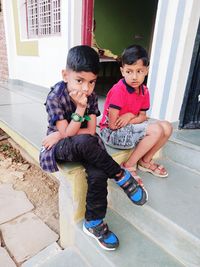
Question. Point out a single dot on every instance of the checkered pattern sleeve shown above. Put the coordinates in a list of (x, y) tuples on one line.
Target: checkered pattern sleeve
[(93, 105), (54, 110)]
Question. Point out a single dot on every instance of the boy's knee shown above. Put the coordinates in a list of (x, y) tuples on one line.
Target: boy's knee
[(156, 130), (167, 126), (85, 139), (86, 143)]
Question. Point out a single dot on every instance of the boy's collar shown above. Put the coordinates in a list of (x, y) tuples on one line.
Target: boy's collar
[(131, 89)]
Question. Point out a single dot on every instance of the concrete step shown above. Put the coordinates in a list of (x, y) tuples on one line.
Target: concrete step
[(69, 257), (28, 90), (184, 148), (54, 256), (44, 255), (135, 249), (171, 215)]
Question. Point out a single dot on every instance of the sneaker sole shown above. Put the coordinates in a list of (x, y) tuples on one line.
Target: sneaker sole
[(85, 230), (146, 199), (147, 196)]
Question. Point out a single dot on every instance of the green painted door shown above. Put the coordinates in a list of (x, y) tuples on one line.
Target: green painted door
[(119, 24)]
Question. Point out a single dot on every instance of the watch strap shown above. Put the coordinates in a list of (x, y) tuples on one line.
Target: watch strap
[(78, 118)]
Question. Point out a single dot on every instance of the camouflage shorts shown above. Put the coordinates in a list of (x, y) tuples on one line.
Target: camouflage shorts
[(126, 137)]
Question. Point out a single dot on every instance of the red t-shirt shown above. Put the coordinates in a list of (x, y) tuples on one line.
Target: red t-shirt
[(124, 98)]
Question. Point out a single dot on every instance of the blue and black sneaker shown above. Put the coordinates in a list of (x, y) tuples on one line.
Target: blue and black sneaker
[(134, 190), (100, 231)]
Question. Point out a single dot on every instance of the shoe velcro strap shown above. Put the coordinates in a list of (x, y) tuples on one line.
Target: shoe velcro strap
[(130, 183), (101, 230)]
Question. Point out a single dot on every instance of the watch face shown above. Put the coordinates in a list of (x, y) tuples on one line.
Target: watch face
[(76, 117)]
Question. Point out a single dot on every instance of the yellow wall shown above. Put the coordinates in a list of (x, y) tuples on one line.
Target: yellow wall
[(25, 48)]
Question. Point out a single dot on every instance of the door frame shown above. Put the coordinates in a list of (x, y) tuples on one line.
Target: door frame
[(190, 79), (87, 21)]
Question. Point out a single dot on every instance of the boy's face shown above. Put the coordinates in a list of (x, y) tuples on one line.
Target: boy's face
[(80, 81), (134, 74)]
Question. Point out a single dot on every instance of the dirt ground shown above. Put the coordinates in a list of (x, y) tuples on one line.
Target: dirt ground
[(40, 188)]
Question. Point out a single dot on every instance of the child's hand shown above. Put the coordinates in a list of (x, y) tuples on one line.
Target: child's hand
[(51, 140), (124, 120), (79, 98)]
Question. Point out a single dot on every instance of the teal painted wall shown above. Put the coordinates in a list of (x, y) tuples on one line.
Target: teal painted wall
[(122, 23)]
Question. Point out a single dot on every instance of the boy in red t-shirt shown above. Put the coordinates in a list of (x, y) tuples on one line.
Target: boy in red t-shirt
[(125, 125)]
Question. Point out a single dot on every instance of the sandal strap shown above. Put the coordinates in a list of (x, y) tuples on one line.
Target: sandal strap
[(133, 170), (130, 169), (158, 166), (155, 167)]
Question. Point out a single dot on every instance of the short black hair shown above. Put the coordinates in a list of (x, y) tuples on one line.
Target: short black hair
[(83, 58), (133, 53)]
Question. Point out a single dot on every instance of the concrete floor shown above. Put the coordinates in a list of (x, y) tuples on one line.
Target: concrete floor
[(177, 198)]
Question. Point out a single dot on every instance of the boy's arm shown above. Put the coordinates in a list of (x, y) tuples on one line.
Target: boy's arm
[(73, 128), (91, 126), (51, 140), (61, 133), (113, 114), (66, 129), (116, 121), (141, 117), (125, 119)]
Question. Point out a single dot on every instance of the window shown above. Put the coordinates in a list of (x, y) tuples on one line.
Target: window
[(43, 18)]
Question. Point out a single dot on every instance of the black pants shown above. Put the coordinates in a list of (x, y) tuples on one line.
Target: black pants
[(90, 151)]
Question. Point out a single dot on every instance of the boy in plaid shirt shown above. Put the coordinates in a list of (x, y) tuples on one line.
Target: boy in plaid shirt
[(71, 137)]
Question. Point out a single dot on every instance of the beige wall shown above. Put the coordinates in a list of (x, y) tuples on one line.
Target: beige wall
[(40, 61)]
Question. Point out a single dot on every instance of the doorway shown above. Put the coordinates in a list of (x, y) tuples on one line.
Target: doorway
[(110, 26), (190, 110)]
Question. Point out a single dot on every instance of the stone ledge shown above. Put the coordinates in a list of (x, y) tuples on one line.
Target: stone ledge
[(75, 175), (73, 185)]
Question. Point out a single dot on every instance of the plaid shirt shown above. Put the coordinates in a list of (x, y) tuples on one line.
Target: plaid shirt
[(60, 107)]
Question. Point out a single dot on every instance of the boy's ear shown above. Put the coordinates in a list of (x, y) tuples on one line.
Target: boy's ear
[(122, 71), (64, 75), (147, 70)]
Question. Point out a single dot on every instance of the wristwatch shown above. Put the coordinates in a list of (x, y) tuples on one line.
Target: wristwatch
[(76, 117)]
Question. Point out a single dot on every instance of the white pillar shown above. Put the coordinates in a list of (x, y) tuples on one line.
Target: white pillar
[(184, 56), (75, 25), (174, 36)]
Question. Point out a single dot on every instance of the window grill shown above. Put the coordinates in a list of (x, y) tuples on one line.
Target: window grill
[(43, 18)]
